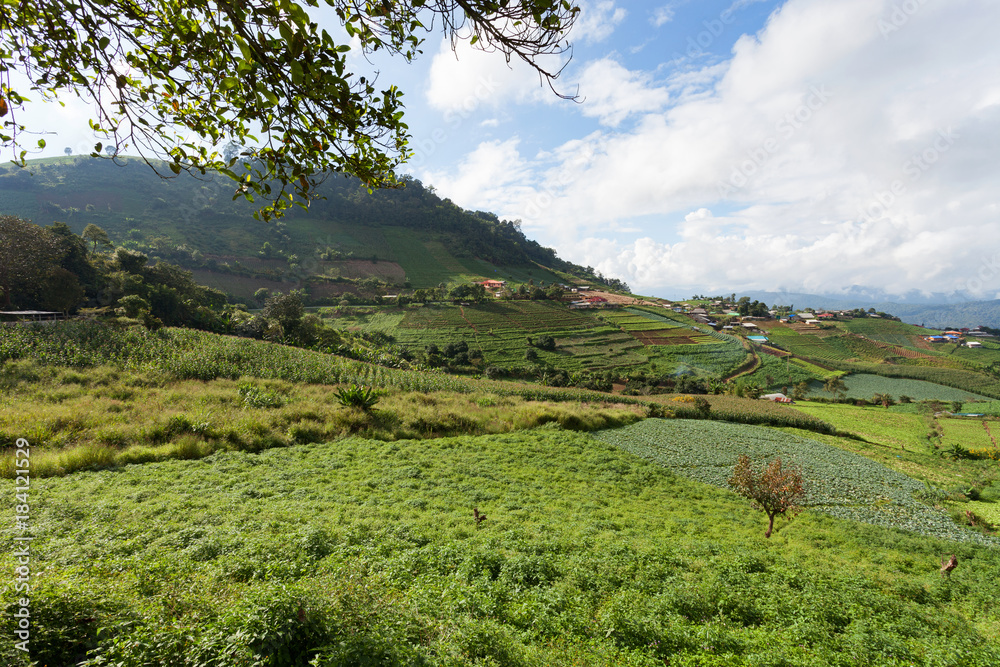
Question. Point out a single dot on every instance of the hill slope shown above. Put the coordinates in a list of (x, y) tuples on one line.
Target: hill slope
[(408, 235)]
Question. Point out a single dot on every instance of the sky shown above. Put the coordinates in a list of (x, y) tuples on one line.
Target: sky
[(717, 147)]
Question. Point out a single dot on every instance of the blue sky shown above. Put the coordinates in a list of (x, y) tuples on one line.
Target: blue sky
[(804, 145)]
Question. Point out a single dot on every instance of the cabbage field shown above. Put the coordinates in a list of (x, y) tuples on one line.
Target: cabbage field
[(839, 483)]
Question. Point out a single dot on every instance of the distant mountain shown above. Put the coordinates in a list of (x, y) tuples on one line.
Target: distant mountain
[(933, 315)]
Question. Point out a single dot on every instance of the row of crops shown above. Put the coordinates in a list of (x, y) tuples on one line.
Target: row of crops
[(839, 483)]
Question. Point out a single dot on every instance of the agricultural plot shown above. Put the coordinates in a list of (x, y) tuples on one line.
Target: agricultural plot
[(896, 430), (385, 321), (515, 274), (808, 345), (422, 267), (669, 337), (362, 552), (600, 349), (839, 483), (633, 319), (526, 316), (989, 353), (783, 372), (865, 386), (985, 407), (872, 327), (710, 359), (968, 433)]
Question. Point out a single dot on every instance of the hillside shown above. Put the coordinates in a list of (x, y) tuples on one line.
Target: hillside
[(208, 496), (407, 236)]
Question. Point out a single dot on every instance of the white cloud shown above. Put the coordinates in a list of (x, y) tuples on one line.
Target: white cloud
[(469, 78), (610, 92), (662, 15), (487, 179), (831, 155), (822, 118), (597, 20)]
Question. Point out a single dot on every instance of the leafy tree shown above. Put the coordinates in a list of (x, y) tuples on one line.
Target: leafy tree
[(97, 236), (130, 261), (183, 77), (546, 342), (61, 290), (132, 305), (777, 489), (285, 309), (835, 385), (27, 252), (885, 400), (74, 256), (800, 391), (466, 291), (702, 407)]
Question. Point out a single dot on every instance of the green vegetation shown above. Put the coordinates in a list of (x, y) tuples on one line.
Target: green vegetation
[(864, 385), (364, 551), (838, 483)]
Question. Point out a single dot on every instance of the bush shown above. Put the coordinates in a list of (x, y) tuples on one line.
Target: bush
[(357, 396)]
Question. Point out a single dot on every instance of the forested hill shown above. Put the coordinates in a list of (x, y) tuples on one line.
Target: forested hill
[(405, 235)]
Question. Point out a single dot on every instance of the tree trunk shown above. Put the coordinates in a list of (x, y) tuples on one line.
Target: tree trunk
[(770, 525)]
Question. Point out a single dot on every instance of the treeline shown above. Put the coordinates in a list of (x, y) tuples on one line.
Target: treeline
[(51, 268)]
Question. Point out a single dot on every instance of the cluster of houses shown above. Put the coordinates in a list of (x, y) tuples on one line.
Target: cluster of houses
[(957, 337), (577, 296)]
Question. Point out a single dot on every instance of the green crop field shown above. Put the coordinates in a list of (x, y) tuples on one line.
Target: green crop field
[(839, 483), (872, 327), (985, 407), (421, 266), (364, 552), (783, 373), (900, 431), (968, 433), (860, 385), (386, 320)]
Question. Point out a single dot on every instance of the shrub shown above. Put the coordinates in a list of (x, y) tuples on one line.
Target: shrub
[(357, 396), (255, 397)]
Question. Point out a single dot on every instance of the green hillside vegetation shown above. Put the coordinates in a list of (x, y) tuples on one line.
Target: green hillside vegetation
[(195, 222), (94, 395), (212, 496)]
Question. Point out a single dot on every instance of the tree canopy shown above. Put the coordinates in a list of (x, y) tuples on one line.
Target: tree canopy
[(186, 80)]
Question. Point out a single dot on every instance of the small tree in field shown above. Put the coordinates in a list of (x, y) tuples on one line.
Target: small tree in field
[(777, 489)]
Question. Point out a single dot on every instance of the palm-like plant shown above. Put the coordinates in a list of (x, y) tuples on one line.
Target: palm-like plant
[(357, 396)]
